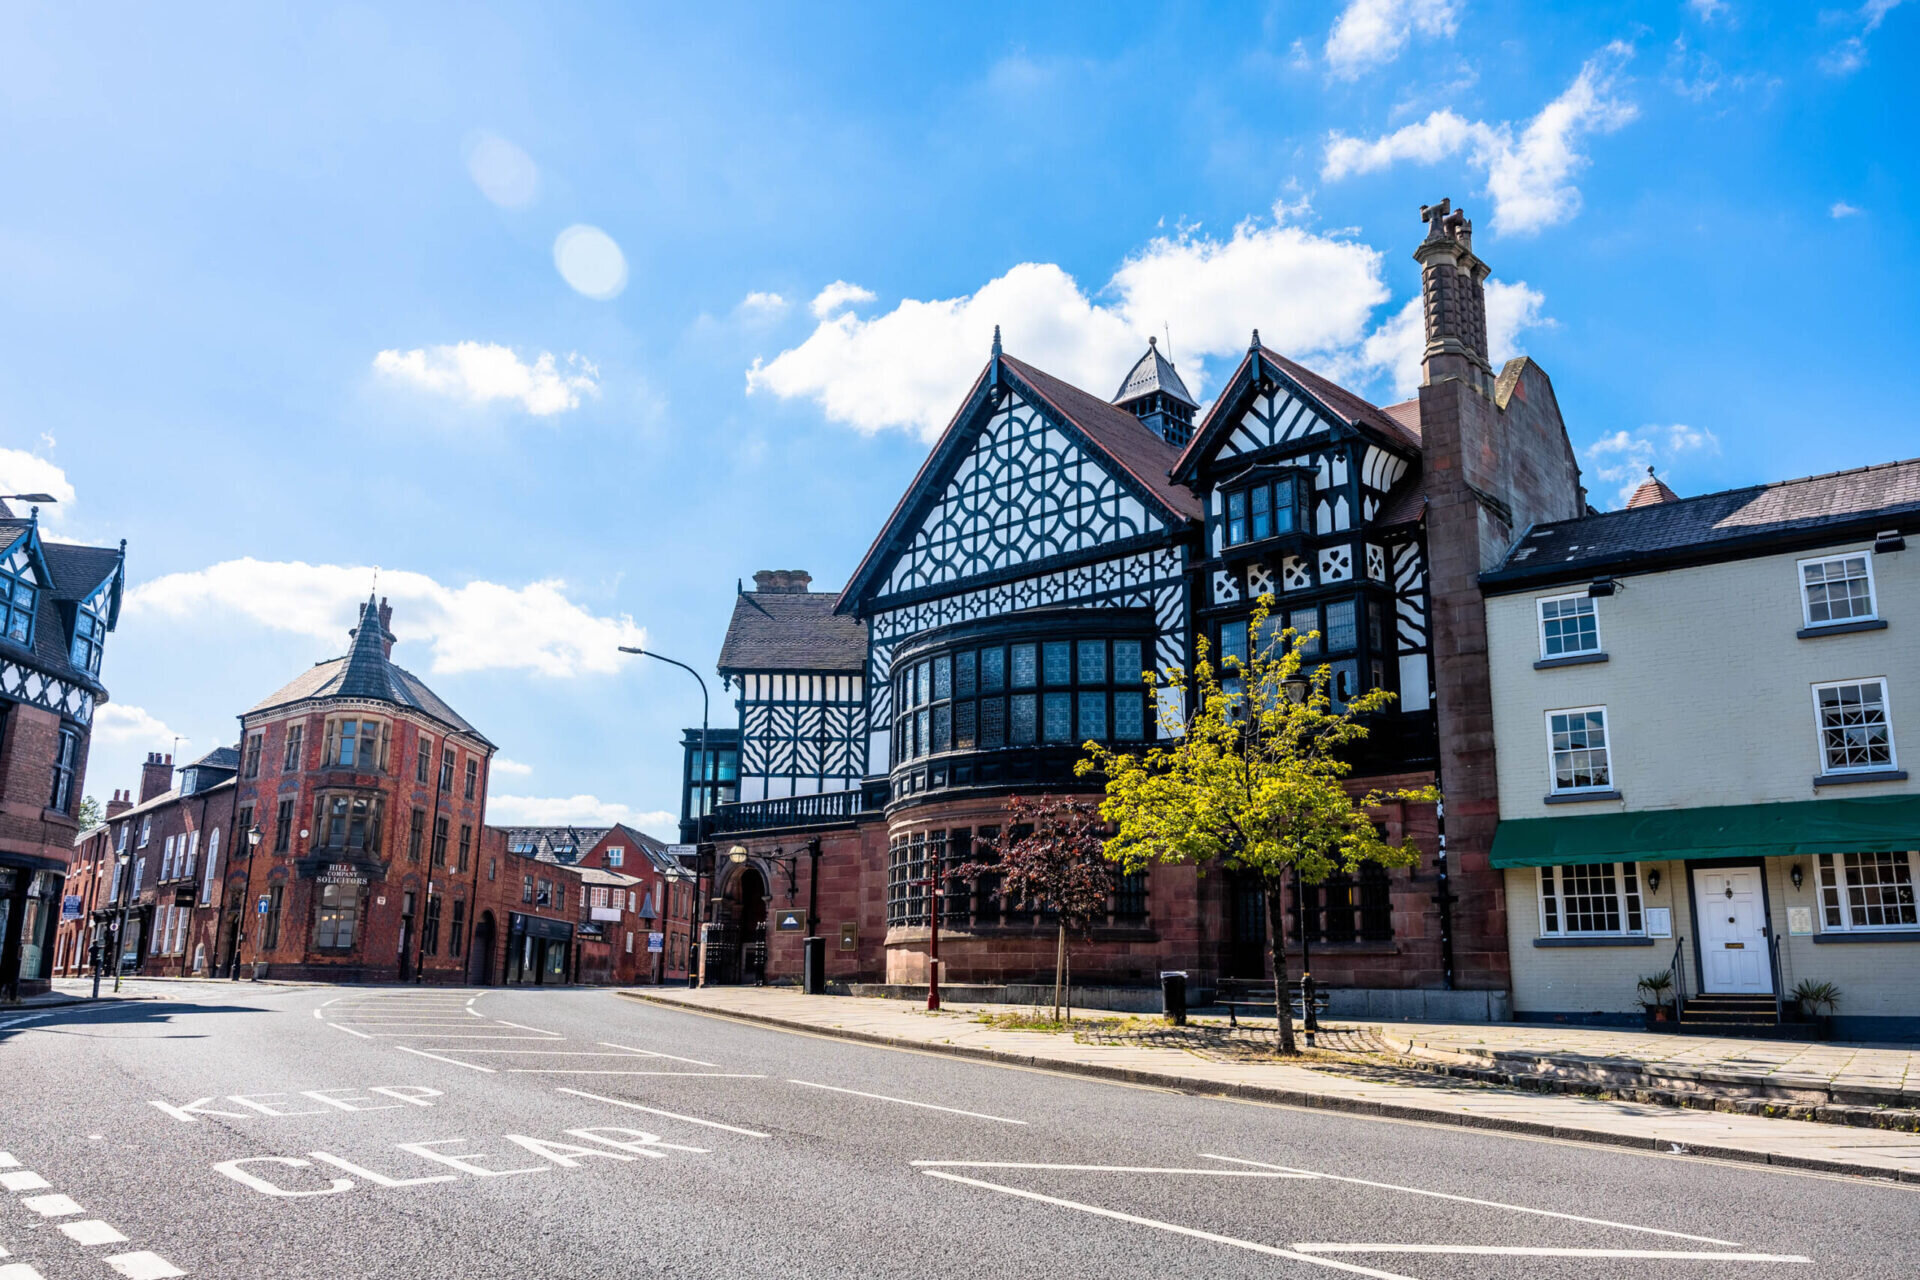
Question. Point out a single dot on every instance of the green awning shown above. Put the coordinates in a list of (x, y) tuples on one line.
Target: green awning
[(1806, 827)]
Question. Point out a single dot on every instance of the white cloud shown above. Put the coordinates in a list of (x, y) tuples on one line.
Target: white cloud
[(1622, 458), (503, 765), (1707, 10), (1370, 33), (580, 811), (1311, 295), (1396, 346), (483, 372), (1841, 209), (23, 472), (117, 724), (590, 261), (1529, 171), (1850, 54), (504, 173), (479, 626), (838, 296), (759, 307)]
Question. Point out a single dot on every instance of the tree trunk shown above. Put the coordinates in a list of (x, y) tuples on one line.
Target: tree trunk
[(1059, 968), (1277, 949), (1066, 954)]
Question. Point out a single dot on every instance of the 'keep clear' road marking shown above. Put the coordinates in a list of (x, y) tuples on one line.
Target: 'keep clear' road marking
[(671, 1115), (1175, 1228), (403, 1094), (626, 1145), (907, 1102), (1489, 1204)]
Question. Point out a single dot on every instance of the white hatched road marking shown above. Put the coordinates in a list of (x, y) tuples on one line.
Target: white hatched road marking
[(22, 1180), (7, 1161), (349, 1030), (587, 1071), (521, 1026), (18, 1271), (471, 1066), (1490, 1204), (54, 1206), (1526, 1251), (143, 1265), (908, 1102), (92, 1232), (1173, 1227), (655, 1053), (656, 1111)]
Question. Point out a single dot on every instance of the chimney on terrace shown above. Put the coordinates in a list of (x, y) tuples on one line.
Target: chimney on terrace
[(156, 776), (120, 803), (791, 582)]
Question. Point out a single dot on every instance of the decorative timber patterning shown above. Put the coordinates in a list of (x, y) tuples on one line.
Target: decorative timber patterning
[(24, 684), (1272, 420), (1026, 492)]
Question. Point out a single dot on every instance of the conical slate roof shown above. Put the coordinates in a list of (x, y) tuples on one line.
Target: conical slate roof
[(1154, 372), (365, 675)]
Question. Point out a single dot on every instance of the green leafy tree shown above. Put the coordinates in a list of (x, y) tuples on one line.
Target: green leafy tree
[(1250, 777), (90, 813), (1050, 857)]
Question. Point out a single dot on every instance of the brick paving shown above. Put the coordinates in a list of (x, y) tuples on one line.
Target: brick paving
[(1146, 1059)]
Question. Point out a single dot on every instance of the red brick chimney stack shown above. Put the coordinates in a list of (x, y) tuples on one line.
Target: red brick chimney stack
[(782, 581), (156, 776), (120, 803), (1453, 296)]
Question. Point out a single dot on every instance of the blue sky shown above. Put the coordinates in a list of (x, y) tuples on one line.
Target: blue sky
[(568, 317)]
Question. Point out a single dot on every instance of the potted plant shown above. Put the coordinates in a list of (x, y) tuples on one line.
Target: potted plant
[(1817, 1001), (1656, 996)]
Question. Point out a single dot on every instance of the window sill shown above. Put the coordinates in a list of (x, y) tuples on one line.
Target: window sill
[(1622, 941), (1841, 628), (1868, 935), (1867, 775), (1571, 660), (1580, 797)]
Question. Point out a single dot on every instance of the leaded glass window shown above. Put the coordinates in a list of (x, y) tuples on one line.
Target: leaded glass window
[(993, 723), (1305, 623), (1093, 662), (1059, 713), (1341, 637), (963, 677), (19, 588), (1129, 724), (993, 670), (1023, 728), (1025, 666), (942, 677), (1058, 655), (1127, 668), (1093, 716)]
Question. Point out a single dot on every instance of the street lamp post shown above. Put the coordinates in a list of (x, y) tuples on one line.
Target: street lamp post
[(701, 803), (124, 889), (233, 957)]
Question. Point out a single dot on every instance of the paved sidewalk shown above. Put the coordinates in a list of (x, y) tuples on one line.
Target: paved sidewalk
[(1848, 1074), (1786, 1143)]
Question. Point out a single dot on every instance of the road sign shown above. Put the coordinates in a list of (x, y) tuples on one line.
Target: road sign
[(70, 907), (789, 921), (849, 937), (656, 942), (262, 908)]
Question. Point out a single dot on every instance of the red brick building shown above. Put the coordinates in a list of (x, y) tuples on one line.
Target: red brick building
[(367, 794), (57, 604)]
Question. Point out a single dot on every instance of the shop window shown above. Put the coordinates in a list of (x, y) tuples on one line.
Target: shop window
[(1867, 891), (337, 917), (1596, 899)]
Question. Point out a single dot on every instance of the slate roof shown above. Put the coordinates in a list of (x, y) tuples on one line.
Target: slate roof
[(1756, 520), (1141, 453), (792, 631), (366, 672), (73, 572), (1153, 372), (164, 799), (549, 842), (77, 570), (218, 758), (1353, 408)]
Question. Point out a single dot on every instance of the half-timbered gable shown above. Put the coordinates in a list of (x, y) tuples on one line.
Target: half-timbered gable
[(1310, 495), (1042, 501)]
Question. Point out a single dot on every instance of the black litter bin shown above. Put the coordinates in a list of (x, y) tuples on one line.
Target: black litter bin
[(813, 970), (1173, 996)]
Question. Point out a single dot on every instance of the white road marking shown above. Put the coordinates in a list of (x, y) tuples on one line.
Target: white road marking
[(1193, 1232), (91, 1232), (144, 1266), (7, 1161), (1490, 1204), (1523, 1251), (1102, 1168), (23, 1180), (503, 1022), (685, 1075), (655, 1053), (18, 1271), (562, 1053), (441, 1035), (32, 1017), (54, 1206), (471, 1066), (349, 1030), (907, 1102), (655, 1111)]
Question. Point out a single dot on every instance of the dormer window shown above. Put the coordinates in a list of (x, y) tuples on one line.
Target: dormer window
[(89, 636), (1265, 509), (19, 588)]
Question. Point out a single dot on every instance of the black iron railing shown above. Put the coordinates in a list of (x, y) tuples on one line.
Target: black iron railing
[(1678, 968), (825, 808)]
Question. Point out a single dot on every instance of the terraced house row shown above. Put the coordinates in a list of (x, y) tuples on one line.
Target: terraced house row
[(1631, 714)]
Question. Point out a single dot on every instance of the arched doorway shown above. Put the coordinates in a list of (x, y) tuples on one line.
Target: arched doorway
[(480, 965), (739, 941)]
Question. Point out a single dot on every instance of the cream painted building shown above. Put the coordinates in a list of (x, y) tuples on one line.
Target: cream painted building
[(1704, 711)]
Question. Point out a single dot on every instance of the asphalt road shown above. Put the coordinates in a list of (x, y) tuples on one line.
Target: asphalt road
[(262, 1132)]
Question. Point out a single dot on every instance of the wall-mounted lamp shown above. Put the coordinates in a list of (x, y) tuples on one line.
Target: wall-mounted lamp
[(1888, 540), (737, 854), (1796, 875), (1653, 881), (1600, 588)]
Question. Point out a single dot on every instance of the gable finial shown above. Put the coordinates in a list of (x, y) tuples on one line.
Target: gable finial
[(996, 340), (1256, 341)]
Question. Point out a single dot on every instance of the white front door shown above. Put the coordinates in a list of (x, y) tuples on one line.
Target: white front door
[(1733, 931)]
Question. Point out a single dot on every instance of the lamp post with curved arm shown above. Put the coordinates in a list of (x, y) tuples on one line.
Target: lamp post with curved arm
[(701, 806)]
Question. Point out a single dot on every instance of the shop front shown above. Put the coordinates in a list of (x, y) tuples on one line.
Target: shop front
[(30, 891), (1738, 907), (539, 951)]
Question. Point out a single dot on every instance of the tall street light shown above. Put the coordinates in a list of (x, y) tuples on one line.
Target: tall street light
[(233, 959), (701, 806)]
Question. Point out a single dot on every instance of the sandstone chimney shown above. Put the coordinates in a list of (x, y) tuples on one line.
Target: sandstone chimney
[(782, 581), (1453, 297)]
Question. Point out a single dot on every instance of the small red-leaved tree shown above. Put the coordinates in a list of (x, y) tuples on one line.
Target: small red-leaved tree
[(1051, 857)]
